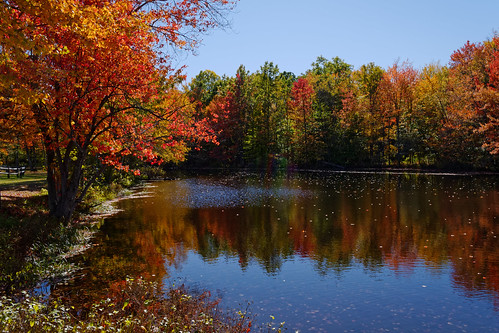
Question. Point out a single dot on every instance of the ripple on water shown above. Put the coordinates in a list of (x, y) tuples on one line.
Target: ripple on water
[(201, 195)]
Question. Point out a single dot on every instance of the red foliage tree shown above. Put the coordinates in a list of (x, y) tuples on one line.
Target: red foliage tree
[(227, 125), (301, 114), (474, 73), (90, 80)]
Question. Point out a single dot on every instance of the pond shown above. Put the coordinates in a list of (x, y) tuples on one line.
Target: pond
[(327, 251)]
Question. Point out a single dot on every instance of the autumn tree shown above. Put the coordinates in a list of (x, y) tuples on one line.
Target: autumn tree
[(301, 114), (430, 114), (286, 132), (203, 88), (173, 139), (367, 96), (469, 133), (489, 97), (86, 77), (330, 80), (474, 77), (397, 104), (231, 125), (264, 137), (235, 125), (227, 116)]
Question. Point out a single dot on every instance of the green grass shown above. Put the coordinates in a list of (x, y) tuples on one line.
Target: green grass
[(28, 178)]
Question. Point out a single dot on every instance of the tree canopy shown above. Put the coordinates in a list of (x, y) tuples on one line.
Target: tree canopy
[(336, 116), (93, 80)]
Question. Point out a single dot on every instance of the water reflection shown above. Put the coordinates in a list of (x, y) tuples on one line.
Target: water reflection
[(335, 222), (379, 220)]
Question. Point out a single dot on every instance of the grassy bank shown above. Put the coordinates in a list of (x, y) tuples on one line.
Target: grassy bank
[(33, 246)]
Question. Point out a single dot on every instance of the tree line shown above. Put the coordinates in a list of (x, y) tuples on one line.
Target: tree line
[(336, 116)]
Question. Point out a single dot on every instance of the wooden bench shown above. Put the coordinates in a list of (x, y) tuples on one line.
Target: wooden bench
[(18, 171)]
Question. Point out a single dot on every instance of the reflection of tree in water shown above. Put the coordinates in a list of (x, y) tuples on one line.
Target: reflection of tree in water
[(397, 221), (241, 232), (392, 220), (134, 243)]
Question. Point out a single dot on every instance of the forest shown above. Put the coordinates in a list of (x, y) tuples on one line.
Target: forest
[(333, 117), (336, 116)]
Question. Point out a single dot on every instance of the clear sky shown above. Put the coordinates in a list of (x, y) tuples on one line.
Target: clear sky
[(293, 33)]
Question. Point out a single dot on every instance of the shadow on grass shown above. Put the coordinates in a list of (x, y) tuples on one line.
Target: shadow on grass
[(28, 239)]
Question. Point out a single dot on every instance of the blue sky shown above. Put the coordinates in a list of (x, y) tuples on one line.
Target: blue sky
[(293, 33)]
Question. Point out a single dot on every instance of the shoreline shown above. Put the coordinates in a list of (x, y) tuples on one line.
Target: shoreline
[(34, 307), (44, 257), (87, 224)]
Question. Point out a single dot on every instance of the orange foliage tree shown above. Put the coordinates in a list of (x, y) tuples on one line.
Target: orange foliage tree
[(397, 101), (91, 78), (474, 79)]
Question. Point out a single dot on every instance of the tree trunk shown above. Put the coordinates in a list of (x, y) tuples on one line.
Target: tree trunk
[(63, 186), (31, 157)]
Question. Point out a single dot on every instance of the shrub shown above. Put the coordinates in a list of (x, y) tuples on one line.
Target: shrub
[(135, 305)]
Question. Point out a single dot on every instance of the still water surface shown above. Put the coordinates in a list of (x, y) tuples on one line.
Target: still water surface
[(329, 252)]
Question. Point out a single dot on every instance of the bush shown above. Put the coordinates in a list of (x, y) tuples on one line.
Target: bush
[(135, 305)]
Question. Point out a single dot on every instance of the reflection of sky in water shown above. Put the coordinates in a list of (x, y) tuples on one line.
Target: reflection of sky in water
[(346, 252), (352, 300), (202, 195), (326, 253)]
